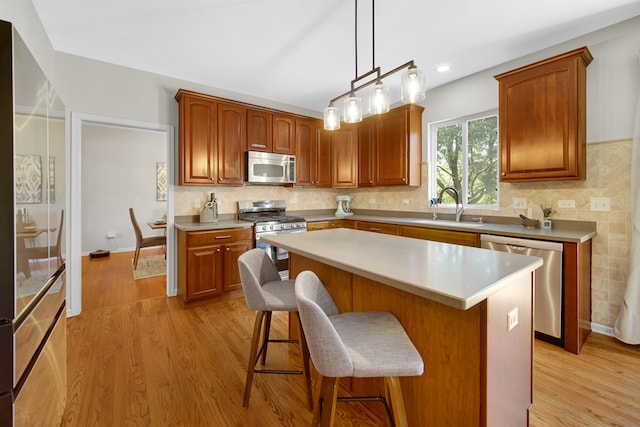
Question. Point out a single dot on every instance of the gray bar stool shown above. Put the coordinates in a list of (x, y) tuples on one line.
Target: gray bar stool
[(266, 292), (354, 344)]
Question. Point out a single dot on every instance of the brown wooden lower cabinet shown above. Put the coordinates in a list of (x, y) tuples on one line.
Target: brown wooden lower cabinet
[(208, 262)]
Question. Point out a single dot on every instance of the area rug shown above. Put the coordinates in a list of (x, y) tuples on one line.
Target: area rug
[(150, 266)]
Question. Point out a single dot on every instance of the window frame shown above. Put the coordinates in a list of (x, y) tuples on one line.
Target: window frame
[(463, 120)]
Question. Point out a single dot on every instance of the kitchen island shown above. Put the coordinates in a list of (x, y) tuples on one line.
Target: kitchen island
[(453, 301)]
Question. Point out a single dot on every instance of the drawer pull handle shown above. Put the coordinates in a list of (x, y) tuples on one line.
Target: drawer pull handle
[(259, 145), (375, 229), (223, 237)]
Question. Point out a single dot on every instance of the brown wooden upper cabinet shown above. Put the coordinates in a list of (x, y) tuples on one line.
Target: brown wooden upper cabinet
[(313, 154), (543, 119), (344, 152), (259, 131), (390, 148), (270, 132), (284, 131), (212, 137)]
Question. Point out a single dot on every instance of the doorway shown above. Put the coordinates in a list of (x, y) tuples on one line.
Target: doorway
[(110, 139)]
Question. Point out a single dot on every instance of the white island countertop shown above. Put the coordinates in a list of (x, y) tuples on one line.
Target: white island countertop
[(458, 276)]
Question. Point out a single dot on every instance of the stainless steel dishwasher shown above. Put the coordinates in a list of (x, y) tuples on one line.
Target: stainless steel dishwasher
[(548, 286)]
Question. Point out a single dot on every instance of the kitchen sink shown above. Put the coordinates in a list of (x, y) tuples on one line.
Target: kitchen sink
[(446, 223)]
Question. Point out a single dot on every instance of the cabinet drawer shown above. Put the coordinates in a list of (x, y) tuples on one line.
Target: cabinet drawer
[(438, 235), (318, 225), (200, 238), (377, 227)]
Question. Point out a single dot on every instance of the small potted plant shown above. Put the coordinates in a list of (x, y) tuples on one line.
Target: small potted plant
[(546, 212)]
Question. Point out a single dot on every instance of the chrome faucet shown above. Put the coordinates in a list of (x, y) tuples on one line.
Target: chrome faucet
[(459, 208)]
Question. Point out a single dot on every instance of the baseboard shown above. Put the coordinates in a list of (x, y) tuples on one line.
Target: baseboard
[(602, 329)]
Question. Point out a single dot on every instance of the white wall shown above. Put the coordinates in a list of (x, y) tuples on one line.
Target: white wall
[(119, 172), (612, 84)]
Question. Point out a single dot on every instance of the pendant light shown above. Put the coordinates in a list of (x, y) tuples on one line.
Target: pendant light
[(412, 81), (413, 87), (378, 98), (352, 109), (331, 118)]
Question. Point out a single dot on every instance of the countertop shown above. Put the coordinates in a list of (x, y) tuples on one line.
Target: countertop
[(458, 276), (562, 231)]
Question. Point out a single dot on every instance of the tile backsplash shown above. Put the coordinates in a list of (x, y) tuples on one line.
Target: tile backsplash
[(608, 176)]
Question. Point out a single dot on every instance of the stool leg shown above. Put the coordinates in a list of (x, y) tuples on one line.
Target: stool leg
[(325, 408), (304, 350), (397, 401), (265, 340), (255, 342)]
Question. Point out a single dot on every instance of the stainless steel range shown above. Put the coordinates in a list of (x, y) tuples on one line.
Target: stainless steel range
[(269, 218)]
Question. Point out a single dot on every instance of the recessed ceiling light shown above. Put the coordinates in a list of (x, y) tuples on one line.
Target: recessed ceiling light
[(443, 68)]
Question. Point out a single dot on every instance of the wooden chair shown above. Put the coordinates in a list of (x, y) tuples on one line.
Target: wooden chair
[(266, 292), (355, 344), (45, 252), (144, 242)]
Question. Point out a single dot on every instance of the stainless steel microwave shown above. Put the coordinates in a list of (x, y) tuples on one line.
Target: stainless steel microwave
[(270, 168)]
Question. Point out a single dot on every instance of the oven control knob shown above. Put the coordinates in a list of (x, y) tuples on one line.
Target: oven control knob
[(271, 227), (285, 226)]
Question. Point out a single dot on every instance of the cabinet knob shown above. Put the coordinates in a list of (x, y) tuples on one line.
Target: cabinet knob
[(218, 250), (220, 179), (212, 179), (503, 173), (228, 249)]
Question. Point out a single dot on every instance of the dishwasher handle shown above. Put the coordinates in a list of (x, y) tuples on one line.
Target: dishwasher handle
[(518, 242)]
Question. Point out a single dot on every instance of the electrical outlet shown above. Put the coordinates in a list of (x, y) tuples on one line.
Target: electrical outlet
[(372, 201), (519, 203), (197, 203), (512, 319), (405, 202), (566, 204), (601, 204), (111, 235)]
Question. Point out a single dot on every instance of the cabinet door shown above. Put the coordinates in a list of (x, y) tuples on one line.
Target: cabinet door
[(283, 134), (231, 271), (259, 131), (204, 272), (197, 144), (323, 159), (391, 148), (345, 157), (366, 155), (232, 137), (542, 120), (305, 153)]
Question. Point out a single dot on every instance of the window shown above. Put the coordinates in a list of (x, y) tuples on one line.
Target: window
[(465, 154)]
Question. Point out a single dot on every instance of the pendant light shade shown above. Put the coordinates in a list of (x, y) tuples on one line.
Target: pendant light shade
[(378, 98), (352, 109), (331, 118), (413, 88)]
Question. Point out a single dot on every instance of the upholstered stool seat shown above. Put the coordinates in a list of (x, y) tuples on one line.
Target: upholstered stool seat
[(266, 292), (354, 344)]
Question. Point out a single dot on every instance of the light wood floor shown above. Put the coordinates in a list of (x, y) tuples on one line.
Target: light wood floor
[(137, 358)]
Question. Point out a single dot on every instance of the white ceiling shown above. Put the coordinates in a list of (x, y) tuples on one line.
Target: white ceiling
[(301, 52)]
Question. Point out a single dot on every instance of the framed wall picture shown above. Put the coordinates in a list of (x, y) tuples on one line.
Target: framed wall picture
[(28, 178), (161, 181)]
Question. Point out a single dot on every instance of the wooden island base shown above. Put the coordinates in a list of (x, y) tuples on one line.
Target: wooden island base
[(477, 373)]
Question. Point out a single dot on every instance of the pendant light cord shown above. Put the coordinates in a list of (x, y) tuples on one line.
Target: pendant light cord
[(356, 36)]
